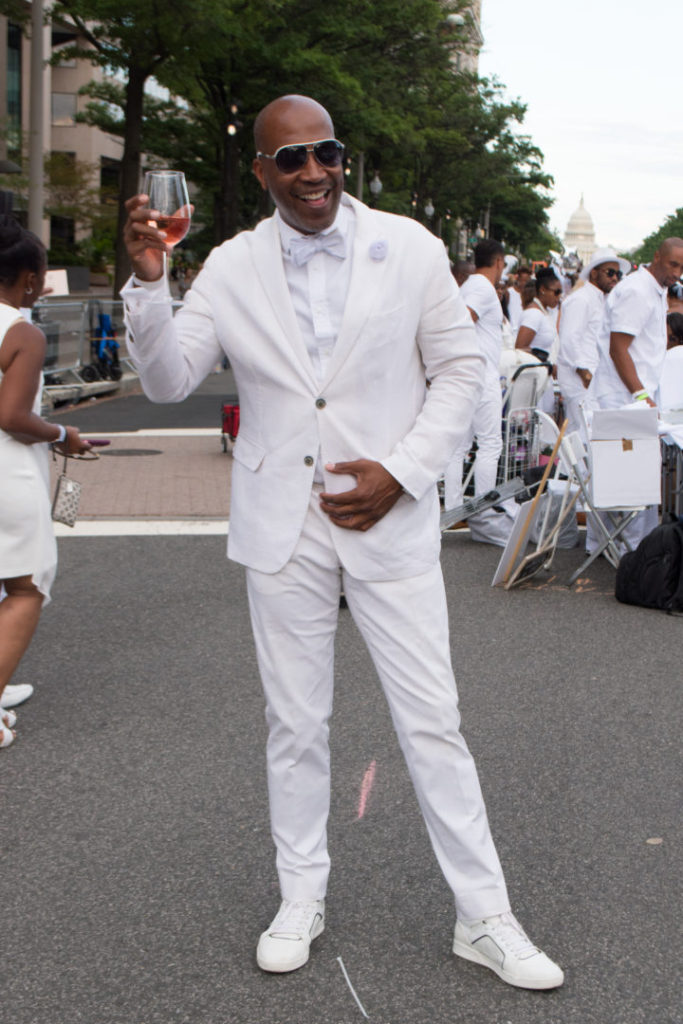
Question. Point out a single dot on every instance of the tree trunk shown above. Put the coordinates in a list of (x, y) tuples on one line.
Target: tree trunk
[(129, 181)]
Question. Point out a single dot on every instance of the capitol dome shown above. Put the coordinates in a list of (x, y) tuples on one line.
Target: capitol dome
[(580, 234)]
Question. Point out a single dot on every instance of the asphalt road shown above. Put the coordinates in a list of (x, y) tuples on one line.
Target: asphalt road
[(138, 868), (133, 411)]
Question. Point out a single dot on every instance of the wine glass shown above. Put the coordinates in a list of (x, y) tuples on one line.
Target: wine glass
[(167, 191)]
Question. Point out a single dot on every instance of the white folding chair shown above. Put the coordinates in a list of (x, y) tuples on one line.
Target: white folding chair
[(619, 473), (516, 565)]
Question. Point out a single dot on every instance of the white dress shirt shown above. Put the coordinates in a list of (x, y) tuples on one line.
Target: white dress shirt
[(637, 306), (583, 329), (319, 289), (482, 298)]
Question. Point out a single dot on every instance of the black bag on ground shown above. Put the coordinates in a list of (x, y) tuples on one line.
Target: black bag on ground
[(652, 575)]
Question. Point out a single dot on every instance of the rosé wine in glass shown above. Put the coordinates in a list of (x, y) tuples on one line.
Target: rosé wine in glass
[(175, 228), (167, 191)]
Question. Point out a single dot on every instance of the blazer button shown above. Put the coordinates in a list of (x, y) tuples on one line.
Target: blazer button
[(320, 403), (309, 460)]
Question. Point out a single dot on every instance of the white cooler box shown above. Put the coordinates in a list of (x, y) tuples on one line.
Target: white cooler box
[(625, 457)]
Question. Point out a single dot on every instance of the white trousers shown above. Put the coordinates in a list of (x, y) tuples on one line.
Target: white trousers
[(574, 395), (405, 626), (487, 427)]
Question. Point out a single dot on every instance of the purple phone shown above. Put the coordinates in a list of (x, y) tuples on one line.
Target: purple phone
[(97, 442)]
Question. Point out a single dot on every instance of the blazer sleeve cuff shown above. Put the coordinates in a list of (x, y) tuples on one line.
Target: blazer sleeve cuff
[(414, 481)]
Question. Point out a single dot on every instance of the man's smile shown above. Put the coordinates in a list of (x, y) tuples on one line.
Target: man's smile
[(315, 198)]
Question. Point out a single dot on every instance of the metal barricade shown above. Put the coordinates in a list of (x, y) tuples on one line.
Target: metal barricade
[(86, 350), (672, 479), (64, 326)]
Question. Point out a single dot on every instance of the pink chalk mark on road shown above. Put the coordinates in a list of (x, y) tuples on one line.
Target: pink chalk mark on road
[(365, 787)]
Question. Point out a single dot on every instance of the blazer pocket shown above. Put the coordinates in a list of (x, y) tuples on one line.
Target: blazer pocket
[(248, 453)]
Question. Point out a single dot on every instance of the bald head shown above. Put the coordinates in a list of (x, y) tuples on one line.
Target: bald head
[(307, 181), (668, 245), (667, 262), (283, 113)]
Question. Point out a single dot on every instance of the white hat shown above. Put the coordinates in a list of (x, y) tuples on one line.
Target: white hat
[(604, 256)]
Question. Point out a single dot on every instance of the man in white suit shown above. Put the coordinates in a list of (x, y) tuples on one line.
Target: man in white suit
[(584, 331), (332, 316)]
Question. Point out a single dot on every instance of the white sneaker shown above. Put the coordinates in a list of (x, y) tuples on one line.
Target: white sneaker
[(501, 943), (15, 693), (286, 944)]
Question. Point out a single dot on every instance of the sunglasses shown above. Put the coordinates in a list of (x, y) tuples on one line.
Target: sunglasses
[(328, 153), (554, 291), (611, 272)]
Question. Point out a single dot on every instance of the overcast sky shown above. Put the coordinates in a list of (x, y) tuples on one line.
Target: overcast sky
[(603, 84)]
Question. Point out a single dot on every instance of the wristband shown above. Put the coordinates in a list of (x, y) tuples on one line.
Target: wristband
[(62, 434), (640, 396)]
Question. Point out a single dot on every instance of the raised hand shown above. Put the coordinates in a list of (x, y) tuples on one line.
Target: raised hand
[(145, 243)]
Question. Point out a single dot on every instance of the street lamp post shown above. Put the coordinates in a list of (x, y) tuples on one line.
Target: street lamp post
[(375, 187)]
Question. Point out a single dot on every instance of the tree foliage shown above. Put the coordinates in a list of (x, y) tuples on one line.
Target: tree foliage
[(133, 38), (671, 228), (383, 68)]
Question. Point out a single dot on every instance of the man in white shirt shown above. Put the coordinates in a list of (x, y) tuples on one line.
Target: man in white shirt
[(333, 316), (480, 296), (584, 331), (637, 311), (637, 324)]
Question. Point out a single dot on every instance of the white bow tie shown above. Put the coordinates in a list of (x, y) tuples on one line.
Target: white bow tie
[(302, 248)]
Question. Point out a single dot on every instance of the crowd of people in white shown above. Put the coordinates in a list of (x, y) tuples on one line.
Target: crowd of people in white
[(612, 334)]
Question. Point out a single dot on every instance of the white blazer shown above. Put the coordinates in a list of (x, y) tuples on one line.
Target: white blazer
[(404, 322)]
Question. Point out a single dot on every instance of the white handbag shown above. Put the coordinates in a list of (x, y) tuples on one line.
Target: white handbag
[(66, 499)]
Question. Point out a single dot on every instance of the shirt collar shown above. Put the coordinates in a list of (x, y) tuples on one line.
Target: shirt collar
[(341, 223), (596, 291), (660, 289)]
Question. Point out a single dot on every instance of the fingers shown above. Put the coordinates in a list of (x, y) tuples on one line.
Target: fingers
[(356, 510), (144, 242), (141, 225), (353, 519), (74, 443), (376, 491)]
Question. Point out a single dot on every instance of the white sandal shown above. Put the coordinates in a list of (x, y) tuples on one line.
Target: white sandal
[(8, 718), (7, 736)]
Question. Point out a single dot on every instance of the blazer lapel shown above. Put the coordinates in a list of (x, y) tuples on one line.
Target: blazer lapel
[(267, 257), (367, 272)]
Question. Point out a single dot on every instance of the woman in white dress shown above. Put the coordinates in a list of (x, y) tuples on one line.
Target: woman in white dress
[(537, 332), (28, 552), (538, 327)]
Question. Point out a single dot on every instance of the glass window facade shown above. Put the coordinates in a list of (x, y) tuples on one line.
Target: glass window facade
[(63, 108)]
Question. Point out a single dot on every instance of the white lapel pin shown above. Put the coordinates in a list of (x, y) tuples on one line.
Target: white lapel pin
[(378, 249)]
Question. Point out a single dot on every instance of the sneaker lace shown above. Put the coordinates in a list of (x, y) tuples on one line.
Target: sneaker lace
[(294, 918), (511, 935)]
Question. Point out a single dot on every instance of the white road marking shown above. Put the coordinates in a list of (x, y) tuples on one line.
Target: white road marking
[(156, 432), (143, 528), (351, 988)]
